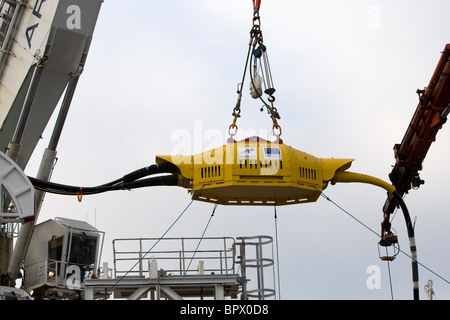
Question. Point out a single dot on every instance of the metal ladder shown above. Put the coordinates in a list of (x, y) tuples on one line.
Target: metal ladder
[(258, 260)]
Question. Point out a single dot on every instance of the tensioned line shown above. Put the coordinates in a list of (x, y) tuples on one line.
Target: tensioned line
[(164, 234), (367, 227)]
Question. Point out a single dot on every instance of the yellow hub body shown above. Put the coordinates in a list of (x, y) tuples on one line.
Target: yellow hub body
[(255, 172)]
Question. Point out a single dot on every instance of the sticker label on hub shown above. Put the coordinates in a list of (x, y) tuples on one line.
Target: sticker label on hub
[(247, 153), (272, 153)]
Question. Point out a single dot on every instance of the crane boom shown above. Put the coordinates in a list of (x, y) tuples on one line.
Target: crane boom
[(430, 115)]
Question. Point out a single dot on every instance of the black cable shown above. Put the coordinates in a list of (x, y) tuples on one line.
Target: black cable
[(246, 64), (140, 173), (237, 108), (127, 182), (51, 187)]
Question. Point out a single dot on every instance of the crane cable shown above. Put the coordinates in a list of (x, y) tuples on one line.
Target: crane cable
[(201, 238), (277, 251), (149, 250), (387, 260), (413, 255), (256, 38), (390, 277)]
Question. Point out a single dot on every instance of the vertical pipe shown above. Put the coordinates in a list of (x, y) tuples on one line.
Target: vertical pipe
[(225, 253), (13, 149), (243, 270), (114, 258), (49, 157), (183, 258), (140, 258), (18, 254), (97, 263), (70, 91), (259, 268)]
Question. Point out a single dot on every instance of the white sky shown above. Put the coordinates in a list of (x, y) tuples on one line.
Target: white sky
[(346, 74)]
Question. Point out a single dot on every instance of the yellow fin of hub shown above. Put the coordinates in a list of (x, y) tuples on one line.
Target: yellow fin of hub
[(331, 166), (255, 172), (363, 178)]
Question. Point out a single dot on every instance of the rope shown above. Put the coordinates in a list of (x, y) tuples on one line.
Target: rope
[(201, 238), (256, 38), (276, 246), (176, 220), (396, 247), (390, 278)]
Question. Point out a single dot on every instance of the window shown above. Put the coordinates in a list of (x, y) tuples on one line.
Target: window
[(55, 248), (83, 250)]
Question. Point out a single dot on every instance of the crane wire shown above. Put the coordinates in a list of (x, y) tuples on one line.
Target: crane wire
[(367, 227), (390, 277), (277, 251), (201, 238), (257, 38), (157, 241)]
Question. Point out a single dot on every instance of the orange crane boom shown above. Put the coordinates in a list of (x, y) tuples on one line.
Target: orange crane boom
[(426, 122), (430, 115)]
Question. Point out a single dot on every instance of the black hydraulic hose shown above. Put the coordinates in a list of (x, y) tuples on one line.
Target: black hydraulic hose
[(412, 243), (171, 180), (51, 187), (73, 190), (153, 169), (146, 171)]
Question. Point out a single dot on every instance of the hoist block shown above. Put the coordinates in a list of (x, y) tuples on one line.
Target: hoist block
[(256, 172)]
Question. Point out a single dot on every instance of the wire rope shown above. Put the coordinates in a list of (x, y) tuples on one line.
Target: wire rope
[(157, 241), (390, 277), (277, 250), (201, 238), (397, 247)]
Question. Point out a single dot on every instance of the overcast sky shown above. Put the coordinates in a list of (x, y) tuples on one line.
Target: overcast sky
[(346, 74)]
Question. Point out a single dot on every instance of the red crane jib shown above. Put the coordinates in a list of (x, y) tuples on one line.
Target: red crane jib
[(430, 115), (422, 130)]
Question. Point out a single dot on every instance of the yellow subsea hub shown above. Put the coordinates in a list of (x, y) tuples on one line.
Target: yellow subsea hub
[(255, 172)]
